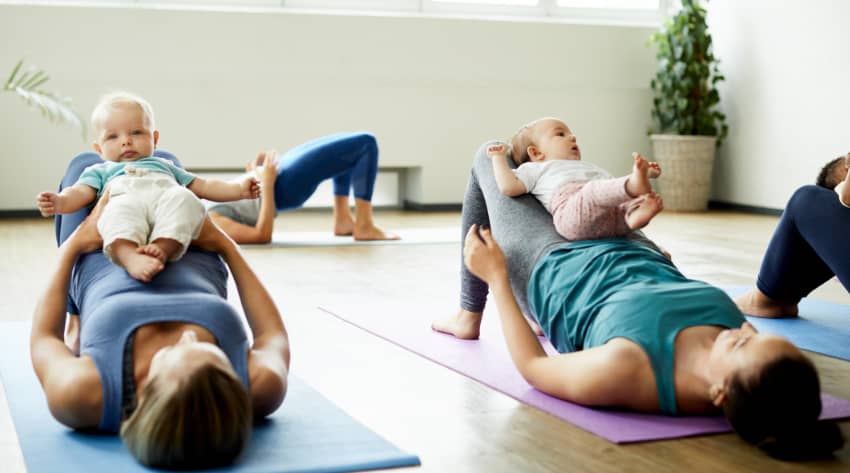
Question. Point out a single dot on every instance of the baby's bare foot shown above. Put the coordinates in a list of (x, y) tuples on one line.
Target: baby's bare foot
[(643, 213), (638, 183), (654, 170), (153, 250), (372, 233), (464, 325), (758, 304), (142, 266)]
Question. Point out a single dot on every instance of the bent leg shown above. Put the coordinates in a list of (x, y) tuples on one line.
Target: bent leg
[(302, 168), (808, 247), (66, 224), (591, 210)]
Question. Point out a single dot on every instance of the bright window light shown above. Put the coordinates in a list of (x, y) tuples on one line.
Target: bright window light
[(625, 4), (530, 3)]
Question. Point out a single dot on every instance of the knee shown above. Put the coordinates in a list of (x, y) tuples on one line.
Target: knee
[(807, 196), (365, 141)]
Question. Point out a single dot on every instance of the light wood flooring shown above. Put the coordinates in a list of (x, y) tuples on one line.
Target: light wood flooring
[(454, 424)]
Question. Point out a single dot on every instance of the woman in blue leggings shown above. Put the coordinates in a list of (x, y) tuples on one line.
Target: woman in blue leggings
[(808, 248), (350, 159)]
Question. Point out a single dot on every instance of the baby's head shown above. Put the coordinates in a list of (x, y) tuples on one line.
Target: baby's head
[(833, 172), (544, 139), (124, 128)]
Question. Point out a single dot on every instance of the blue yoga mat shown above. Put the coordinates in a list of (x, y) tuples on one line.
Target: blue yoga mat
[(308, 434), (822, 327)]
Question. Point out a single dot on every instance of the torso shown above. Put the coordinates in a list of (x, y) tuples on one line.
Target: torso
[(619, 295)]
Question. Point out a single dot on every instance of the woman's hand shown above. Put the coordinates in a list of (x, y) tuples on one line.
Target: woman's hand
[(212, 238), (268, 174), (482, 255), (86, 238)]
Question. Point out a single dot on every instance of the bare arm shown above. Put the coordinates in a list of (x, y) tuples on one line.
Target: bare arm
[(507, 181), (268, 361), (225, 191), (262, 231), (598, 376), (71, 384), (68, 201)]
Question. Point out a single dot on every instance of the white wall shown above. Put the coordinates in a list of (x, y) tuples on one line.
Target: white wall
[(225, 85), (787, 94)]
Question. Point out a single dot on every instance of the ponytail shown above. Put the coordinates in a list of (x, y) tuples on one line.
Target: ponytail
[(777, 410)]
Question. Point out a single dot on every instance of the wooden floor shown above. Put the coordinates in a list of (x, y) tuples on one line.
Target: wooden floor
[(453, 423)]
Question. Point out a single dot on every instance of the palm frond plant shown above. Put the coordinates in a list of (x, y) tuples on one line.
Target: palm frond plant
[(27, 83)]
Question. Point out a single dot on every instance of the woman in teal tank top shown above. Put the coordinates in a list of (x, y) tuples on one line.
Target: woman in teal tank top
[(632, 331)]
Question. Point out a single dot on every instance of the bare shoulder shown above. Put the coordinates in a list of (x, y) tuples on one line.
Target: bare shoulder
[(74, 393), (268, 380), (630, 365)]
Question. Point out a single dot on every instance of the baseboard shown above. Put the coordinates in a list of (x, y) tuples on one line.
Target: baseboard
[(751, 209), (29, 213), (416, 206)]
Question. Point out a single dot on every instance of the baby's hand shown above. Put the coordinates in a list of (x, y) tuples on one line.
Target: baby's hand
[(499, 151), (49, 203), (250, 188)]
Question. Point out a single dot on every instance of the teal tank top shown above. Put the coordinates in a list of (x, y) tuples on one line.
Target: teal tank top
[(589, 292)]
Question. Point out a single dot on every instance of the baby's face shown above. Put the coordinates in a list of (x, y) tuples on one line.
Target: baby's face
[(125, 135), (555, 140)]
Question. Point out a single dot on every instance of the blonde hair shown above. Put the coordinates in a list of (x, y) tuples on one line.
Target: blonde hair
[(202, 421), (111, 100)]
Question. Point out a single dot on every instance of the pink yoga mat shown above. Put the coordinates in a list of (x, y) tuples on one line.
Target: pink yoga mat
[(487, 361)]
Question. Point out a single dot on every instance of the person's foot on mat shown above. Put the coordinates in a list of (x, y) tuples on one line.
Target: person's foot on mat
[(464, 325), (372, 233), (756, 303)]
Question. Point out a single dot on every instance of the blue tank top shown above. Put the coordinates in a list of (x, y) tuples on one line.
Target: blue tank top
[(587, 293), (112, 305)]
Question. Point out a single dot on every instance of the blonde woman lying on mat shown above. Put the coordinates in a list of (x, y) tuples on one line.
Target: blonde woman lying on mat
[(167, 363), (631, 330)]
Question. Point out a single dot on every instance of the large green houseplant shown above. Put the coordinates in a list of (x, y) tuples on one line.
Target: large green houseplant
[(28, 84), (689, 125)]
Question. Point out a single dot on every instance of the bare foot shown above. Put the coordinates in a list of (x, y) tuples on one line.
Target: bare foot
[(643, 213), (153, 250), (464, 325), (638, 183), (141, 266), (654, 170), (343, 227), (371, 232), (756, 303)]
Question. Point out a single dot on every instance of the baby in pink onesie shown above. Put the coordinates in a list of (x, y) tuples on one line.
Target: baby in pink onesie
[(585, 201)]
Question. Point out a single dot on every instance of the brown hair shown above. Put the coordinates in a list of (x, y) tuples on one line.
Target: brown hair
[(832, 173), (777, 410), (199, 422)]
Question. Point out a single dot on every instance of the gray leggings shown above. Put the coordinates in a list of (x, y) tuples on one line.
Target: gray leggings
[(521, 226)]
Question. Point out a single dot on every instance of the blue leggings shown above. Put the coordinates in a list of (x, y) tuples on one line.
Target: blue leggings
[(350, 159), (809, 246)]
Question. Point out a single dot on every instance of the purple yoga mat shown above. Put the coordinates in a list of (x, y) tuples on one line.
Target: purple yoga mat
[(487, 361)]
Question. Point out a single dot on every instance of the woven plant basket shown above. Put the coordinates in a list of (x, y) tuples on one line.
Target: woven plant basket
[(686, 166)]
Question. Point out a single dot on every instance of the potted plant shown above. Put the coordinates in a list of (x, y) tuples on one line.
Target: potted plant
[(684, 108), (27, 84)]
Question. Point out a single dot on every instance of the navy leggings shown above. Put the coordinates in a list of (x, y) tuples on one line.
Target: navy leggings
[(350, 159), (810, 245)]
